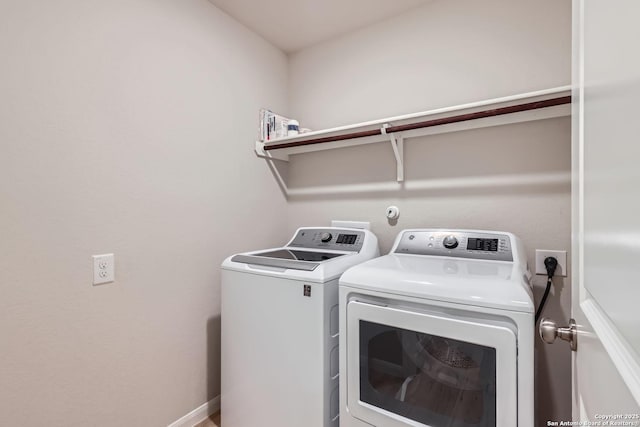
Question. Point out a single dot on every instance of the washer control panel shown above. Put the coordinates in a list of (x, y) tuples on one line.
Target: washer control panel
[(459, 244), (329, 238)]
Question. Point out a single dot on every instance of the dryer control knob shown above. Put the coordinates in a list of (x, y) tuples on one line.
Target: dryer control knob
[(450, 242), (325, 237)]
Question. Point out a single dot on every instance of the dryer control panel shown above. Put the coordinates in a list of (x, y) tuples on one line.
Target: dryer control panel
[(329, 238), (456, 243)]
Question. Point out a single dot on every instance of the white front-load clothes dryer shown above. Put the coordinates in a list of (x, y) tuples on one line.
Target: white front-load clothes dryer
[(438, 333), (279, 339)]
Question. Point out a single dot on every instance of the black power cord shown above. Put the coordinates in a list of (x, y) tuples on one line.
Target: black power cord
[(550, 264)]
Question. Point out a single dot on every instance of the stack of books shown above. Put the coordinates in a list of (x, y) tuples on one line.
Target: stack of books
[(272, 125)]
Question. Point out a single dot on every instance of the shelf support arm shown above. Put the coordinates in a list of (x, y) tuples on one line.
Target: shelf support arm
[(261, 152), (397, 143)]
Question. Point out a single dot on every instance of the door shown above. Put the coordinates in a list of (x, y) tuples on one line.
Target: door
[(606, 210), (410, 368)]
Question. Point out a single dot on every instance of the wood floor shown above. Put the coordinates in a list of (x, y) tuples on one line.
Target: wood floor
[(212, 421)]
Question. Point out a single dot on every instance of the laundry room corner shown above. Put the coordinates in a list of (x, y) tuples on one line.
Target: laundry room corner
[(319, 213)]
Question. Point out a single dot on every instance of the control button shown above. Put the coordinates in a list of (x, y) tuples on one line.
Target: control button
[(430, 237), (411, 237), (325, 237), (450, 242), (430, 245)]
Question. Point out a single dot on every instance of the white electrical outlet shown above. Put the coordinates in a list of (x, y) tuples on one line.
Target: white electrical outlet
[(103, 269), (561, 256)]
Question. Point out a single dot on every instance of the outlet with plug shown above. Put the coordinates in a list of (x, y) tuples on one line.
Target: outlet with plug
[(103, 269), (561, 256)]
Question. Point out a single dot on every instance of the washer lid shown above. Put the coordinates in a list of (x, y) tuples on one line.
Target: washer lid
[(287, 258), (298, 255), (494, 284)]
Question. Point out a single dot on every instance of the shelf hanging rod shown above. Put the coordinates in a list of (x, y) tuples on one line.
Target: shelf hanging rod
[(428, 123)]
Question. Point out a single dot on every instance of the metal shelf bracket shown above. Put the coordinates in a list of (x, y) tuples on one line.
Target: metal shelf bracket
[(397, 143), (261, 152)]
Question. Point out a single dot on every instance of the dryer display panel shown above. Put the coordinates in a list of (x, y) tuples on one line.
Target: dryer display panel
[(475, 244), (456, 244), (436, 381)]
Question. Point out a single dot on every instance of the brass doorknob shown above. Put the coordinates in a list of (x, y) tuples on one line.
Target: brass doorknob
[(549, 331)]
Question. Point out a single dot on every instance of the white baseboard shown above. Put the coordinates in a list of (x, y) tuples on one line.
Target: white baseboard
[(199, 414)]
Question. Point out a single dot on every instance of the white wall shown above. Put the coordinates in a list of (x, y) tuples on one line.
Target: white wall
[(513, 178), (444, 53), (123, 130)]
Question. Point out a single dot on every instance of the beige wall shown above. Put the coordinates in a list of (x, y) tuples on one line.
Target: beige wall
[(123, 129), (513, 178), (445, 53)]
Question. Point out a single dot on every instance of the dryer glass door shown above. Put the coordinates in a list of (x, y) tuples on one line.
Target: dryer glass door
[(413, 368)]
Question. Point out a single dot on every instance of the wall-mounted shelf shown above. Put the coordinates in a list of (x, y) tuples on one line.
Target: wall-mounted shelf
[(524, 107)]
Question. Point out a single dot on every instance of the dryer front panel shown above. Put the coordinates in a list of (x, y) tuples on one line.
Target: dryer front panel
[(422, 369)]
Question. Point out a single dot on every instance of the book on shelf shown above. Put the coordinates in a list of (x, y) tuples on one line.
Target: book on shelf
[(272, 125)]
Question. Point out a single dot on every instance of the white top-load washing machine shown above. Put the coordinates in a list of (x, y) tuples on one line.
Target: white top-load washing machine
[(280, 329), (438, 333)]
